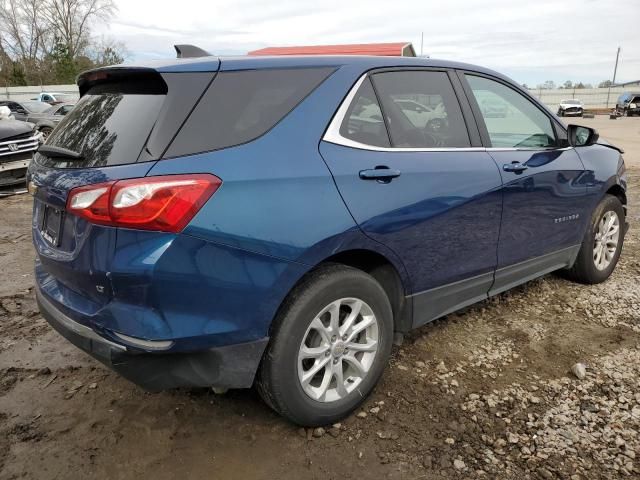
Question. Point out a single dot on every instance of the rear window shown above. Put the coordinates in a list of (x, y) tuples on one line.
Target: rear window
[(108, 126), (241, 106)]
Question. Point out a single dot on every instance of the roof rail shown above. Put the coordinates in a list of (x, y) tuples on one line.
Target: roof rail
[(190, 51)]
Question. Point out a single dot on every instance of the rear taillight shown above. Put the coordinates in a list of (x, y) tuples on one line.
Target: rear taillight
[(165, 204)]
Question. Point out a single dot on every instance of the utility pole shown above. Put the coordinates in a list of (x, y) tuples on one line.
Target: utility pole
[(615, 70), (421, 42)]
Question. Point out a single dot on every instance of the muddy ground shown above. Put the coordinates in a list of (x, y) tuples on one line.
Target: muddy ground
[(485, 393)]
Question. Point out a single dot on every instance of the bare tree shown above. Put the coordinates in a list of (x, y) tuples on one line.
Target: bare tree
[(106, 51), (46, 41), (71, 20), (25, 34)]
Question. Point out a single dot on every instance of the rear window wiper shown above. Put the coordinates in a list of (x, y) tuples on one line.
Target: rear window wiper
[(59, 152)]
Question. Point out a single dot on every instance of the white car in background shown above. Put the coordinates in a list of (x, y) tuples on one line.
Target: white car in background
[(53, 98), (422, 116), (570, 108)]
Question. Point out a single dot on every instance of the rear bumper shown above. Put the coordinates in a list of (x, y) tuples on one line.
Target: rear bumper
[(230, 366)]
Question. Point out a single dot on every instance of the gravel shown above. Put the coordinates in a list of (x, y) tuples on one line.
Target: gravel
[(493, 392)]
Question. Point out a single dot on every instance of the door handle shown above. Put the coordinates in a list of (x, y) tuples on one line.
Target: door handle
[(516, 167), (382, 174)]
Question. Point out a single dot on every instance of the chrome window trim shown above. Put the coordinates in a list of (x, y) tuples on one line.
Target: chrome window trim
[(332, 135)]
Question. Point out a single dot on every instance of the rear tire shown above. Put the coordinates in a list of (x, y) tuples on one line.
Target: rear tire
[(602, 243), (286, 379)]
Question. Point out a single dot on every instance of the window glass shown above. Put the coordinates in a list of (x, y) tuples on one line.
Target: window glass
[(512, 120), (107, 128), (363, 122), (241, 106), (421, 109)]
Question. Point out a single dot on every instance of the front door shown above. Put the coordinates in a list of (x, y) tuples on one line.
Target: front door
[(544, 214), (403, 161)]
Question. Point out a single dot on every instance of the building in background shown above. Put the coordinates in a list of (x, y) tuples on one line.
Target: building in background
[(398, 49), (634, 84)]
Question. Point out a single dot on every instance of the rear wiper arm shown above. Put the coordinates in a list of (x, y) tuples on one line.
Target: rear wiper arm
[(52, 151)]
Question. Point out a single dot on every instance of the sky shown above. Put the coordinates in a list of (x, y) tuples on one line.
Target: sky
[(531, 42)]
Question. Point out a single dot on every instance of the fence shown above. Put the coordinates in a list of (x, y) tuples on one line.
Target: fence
[(590, 97), (27, 93)]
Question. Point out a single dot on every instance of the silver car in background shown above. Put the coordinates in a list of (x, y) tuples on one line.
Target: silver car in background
[(570, 108)]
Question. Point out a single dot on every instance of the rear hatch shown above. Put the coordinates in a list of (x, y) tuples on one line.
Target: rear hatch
[(123, 123)]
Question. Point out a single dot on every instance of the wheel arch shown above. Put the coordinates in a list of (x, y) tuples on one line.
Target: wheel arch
[(390, 276), (386, 274), (617, 191)]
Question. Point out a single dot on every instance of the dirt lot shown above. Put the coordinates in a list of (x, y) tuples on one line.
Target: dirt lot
[(485, 393)]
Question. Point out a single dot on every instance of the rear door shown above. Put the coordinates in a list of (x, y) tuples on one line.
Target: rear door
[(545, 202), (423, 187)]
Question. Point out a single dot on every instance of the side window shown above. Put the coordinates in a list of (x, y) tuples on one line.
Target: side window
[(242, 105), (363, 122), (512, 120), (46, 98), (421, 109)]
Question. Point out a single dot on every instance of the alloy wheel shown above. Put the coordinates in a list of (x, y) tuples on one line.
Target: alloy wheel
[(606, 240), (338, 350), (45, 133)]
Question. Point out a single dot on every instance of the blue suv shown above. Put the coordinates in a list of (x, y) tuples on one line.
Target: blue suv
[(278, 221)]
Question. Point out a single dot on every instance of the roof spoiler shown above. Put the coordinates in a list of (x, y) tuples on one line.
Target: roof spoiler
[(132, 80), (190, 51)]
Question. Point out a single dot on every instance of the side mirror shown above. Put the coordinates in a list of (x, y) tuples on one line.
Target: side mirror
[(580, 136)]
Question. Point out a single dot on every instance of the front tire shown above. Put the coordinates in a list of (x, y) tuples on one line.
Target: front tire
[(602, 243), (329, 346)]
